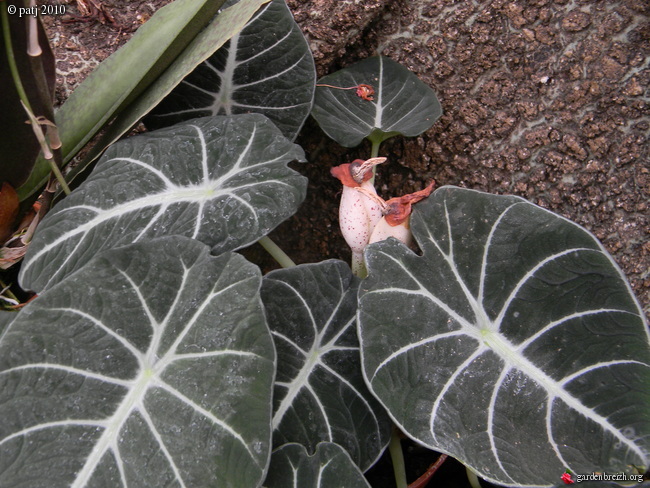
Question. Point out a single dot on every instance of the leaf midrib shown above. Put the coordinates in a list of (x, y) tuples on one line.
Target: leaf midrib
[(132, 401), (198, 194)]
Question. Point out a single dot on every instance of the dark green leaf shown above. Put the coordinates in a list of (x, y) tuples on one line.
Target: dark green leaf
[(266, 68), (152, 366), (329, 467), (513, 343), (221, 180), (402, 104), (5, 320), (320, 394)]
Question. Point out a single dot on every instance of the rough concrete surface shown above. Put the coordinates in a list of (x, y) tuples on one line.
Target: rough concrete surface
[(545, 99)]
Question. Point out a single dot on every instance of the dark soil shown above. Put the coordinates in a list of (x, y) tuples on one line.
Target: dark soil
[(545, 99)]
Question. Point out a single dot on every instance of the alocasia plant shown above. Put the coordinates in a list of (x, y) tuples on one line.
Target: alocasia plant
[(320, 394), (402, 104), (154, 355), (266, 68)]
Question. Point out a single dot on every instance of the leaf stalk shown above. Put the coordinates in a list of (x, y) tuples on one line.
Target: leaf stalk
[(45, 148), (276, 252), (13, 68), (397, 457), (374, 152), (472, 478)]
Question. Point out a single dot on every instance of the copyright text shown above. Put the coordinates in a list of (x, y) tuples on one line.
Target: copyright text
[(36, 10)]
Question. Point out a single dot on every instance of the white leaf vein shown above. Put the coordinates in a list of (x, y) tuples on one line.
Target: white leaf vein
[(70, 369), (210, 416), (170, 460), (122, 340)]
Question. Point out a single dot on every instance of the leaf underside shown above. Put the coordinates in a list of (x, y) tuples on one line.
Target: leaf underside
[(320, 394), (513, 343), (151, 366), (402, 104), (329, 467), (221, 180), (266, 68)]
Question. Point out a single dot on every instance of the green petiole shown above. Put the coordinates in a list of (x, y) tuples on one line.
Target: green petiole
[(276, 252), (397, 457)]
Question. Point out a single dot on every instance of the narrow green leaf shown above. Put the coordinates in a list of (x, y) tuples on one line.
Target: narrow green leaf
[(513, 343), (121, 78), (152, 366)]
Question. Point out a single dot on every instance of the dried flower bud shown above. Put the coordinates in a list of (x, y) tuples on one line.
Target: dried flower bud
[(397, 212), (365, 91)]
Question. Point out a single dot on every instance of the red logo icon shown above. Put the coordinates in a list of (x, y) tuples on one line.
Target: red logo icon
[(566, 477)]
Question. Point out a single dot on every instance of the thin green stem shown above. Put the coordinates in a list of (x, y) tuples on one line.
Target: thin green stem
[(358, 266), (276, 252), (47, 153), (472, 478), (10, 56), (397, 456), (374, 152), (59, 176)]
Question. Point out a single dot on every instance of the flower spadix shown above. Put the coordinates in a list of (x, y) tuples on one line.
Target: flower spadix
[(396, 215), (358, 212)]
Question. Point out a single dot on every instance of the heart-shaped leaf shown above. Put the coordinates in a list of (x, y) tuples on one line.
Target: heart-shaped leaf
[(266, 68), (513, 343), (151, 366), (221, 180), (329, 467), (402, 104), (320, 394)]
